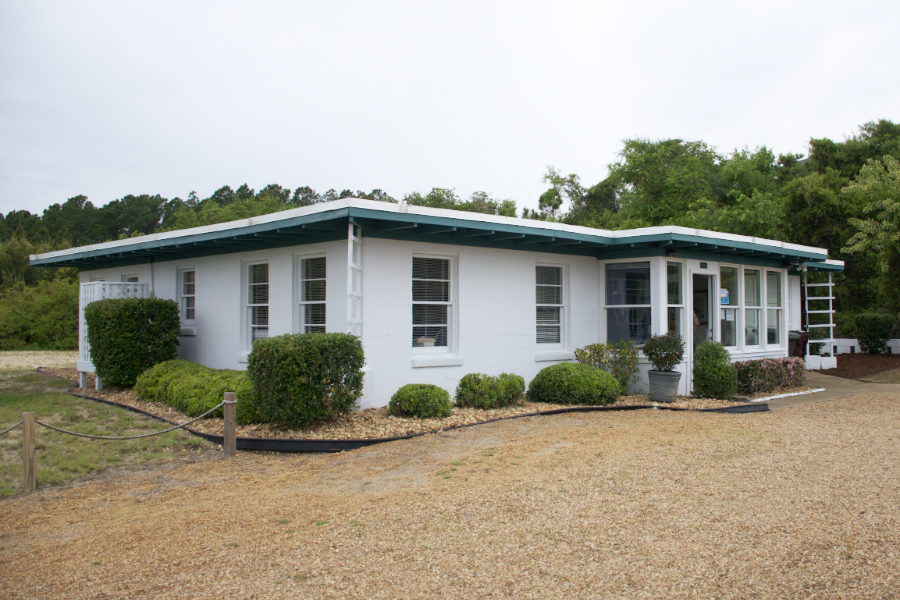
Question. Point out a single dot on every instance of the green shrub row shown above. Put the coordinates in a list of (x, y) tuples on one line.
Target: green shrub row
[(486, 392), (767, 374), (129, 335), (619, 359), (306, 378), (714, 375), (194, 389)]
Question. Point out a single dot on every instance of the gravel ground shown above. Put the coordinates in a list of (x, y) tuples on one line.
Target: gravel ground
[(370, 423), (798, 503)]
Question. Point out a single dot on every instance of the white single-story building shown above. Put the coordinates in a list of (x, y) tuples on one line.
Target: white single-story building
[(435, 294)]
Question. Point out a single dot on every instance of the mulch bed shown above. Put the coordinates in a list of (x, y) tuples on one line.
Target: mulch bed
[(854, 366)]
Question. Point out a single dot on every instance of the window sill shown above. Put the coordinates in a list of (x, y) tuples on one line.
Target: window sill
[(188, 331), (553, 355), (437, 361)]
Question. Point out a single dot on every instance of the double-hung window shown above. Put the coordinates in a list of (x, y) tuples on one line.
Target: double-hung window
[(628, 302), (258, 301), (752, 297), (312, 295), (188, 295), (431, 304), (674, 296), (729, 301), (550, 304), (773, 307)]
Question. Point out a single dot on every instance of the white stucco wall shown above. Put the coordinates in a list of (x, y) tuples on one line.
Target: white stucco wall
[(492, 319)]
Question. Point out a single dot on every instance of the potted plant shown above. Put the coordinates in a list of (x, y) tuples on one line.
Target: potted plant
[(665, 352)]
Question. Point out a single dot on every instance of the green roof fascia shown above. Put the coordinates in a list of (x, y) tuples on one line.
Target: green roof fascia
[(679, 241)]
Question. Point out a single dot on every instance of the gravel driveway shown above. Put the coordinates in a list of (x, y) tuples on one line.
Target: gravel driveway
[(798, 503)]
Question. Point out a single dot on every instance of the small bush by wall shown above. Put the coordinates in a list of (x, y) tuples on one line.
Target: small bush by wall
[(765, 375), (568, 383), (873, 331), (421, 400), (619, 359), (194, 389), (714, 375), (487, 392), (307, 377), (130, 335)]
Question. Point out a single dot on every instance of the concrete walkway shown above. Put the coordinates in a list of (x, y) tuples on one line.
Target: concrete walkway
[(835, 387)]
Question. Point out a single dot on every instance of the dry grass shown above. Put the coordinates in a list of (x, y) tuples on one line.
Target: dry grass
[(798, 503), (884, 377), (21, 360)]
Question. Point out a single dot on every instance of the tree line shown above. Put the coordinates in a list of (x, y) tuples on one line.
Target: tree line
[(842, 196)]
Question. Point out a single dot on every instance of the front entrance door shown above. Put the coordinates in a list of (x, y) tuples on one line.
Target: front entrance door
[(701, 321)]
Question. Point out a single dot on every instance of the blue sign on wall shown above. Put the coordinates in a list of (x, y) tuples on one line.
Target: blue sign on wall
[(723, 296)]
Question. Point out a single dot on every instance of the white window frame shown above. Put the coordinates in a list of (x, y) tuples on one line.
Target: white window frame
[(247, 307), (763, 308), (683, 283), (126, 277), (563, 307), (745, 307), (606, 307), (738, 308), (452, 306), (302, 304), (781, 308), (180, 273)]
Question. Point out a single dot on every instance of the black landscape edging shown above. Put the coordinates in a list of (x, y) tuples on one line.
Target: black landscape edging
[(308, 445)]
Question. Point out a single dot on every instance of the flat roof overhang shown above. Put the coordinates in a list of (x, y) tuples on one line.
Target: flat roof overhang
[(330, 223)]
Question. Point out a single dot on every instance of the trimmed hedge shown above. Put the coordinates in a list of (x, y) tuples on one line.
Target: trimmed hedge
[(769, 373), (619, 359), (194, 389), (873, 331), (714, 375), (130, 335), (487, 392), (570, 383), (306, 378), (421, 400)]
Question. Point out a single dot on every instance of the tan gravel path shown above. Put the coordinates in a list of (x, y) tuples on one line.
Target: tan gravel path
[(800, 503)]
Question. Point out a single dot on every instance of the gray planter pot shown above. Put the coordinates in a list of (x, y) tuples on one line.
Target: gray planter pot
[(664, 386)]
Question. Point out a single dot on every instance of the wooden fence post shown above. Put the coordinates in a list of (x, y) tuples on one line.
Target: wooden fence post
[(29, 479), (229, 443)]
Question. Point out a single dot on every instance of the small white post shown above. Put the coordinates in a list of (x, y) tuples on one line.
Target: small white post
[(98, 383), (229, 441), (82, 379)]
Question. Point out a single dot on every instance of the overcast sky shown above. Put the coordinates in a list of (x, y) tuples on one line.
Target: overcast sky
[(113, 98)]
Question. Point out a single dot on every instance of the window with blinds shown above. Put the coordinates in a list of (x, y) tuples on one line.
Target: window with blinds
[(431, 302), (188, 295), (258, 301), (550, 305), (312, 294)]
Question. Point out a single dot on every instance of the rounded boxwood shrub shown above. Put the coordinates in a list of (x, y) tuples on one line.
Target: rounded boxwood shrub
[(486, 392), (306, 378), (569, 383), (421, 400), (129, 335), (873, 331), (194, 389), (714, 375)]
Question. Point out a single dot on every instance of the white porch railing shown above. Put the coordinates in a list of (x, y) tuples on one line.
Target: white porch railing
[(101, 290)]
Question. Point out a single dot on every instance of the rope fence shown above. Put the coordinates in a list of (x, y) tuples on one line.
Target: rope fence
[(28, 422)]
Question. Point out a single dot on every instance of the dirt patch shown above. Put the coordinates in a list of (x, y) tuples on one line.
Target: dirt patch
[(859, 366), (647, 504)]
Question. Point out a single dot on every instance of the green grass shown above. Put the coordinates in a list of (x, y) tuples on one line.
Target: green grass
[(62, 457), (885, 377)]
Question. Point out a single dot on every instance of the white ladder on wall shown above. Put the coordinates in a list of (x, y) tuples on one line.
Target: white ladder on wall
[(829, 298), (354, 280)]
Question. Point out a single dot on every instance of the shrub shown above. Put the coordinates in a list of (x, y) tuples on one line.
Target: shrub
[(129, 335), (817, 333), (619, 359), (873, 331), (486, 392), (665, 351), (194, 389), (306, 378), (421, 400), (568, 383), (767, 374), (714, 375), (41, 317)]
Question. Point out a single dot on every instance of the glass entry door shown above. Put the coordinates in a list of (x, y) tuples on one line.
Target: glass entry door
[(703, 316)]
